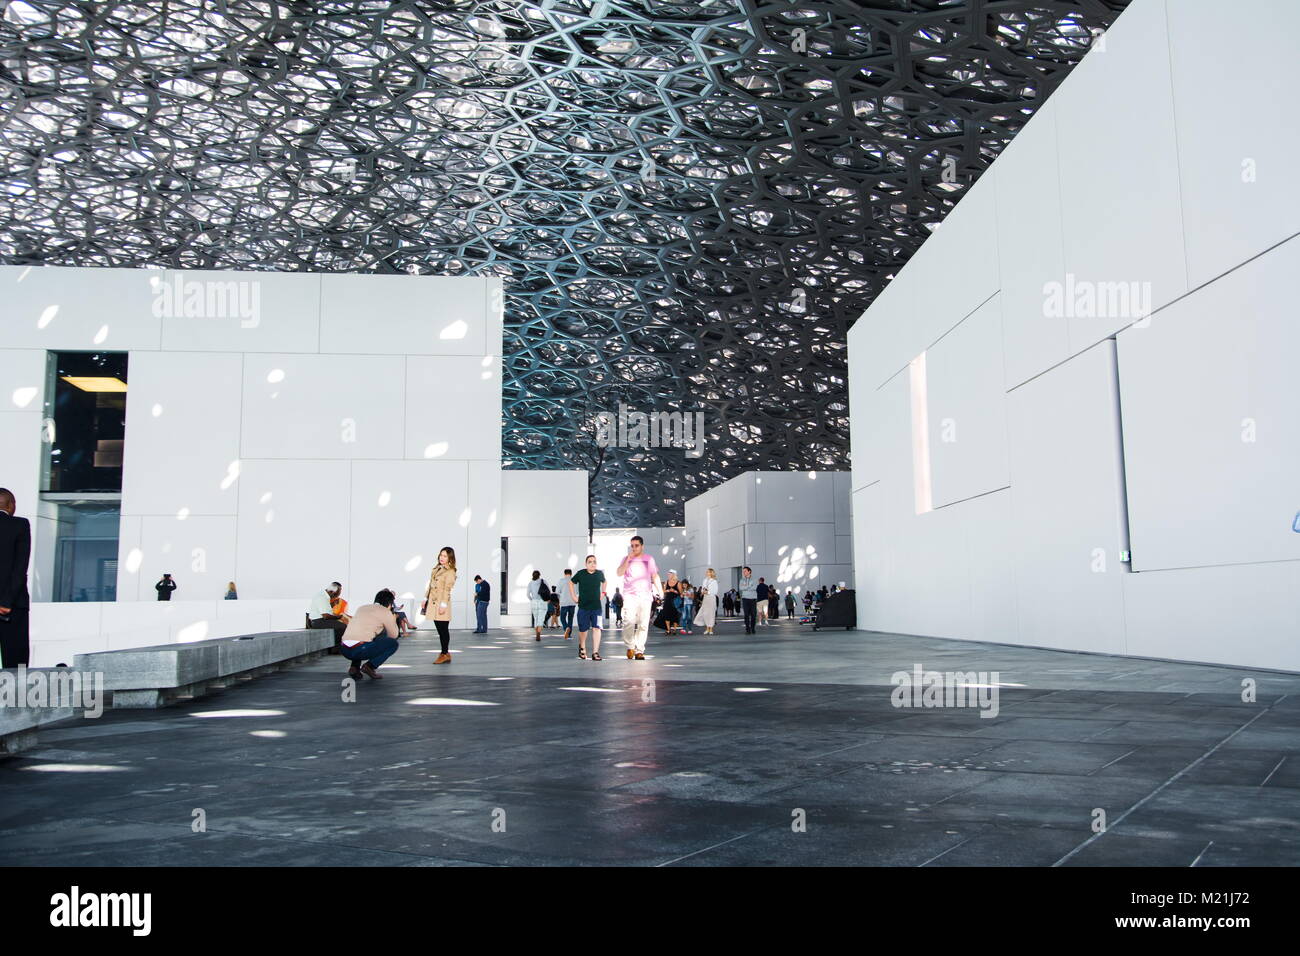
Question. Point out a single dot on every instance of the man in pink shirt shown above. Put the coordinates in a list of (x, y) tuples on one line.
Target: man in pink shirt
[(371, 636), (640, 586)]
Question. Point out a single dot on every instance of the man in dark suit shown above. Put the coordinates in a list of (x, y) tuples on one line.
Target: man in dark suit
[(15, 551)]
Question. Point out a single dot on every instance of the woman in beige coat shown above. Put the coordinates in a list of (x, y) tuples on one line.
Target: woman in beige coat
[(437, 600)]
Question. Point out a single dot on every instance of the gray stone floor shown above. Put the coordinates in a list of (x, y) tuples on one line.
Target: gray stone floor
[(709, 753)]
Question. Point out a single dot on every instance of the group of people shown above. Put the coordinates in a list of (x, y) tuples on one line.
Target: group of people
[(368, 636), (167, 584), (560, 603)]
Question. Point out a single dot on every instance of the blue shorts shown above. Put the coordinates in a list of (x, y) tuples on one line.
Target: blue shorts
[(587, 620)]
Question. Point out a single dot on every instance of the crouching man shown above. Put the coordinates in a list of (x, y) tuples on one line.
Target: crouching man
[(371, 636)]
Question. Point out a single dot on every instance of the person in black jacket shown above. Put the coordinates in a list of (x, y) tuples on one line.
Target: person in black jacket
[(165, 587), (15, 602), (482, 597)]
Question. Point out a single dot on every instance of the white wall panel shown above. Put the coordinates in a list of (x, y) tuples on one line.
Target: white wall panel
[(1237, 160), (1211, 430), (871, 557), (20, 439), (955, 270), (842, 489), (403, 514), (22, 379), (1065, 506), (991, 558), (1119, 168), (1247, 615), (483, 533), (59, 632), (1030, 250), (323, 406), (131, 567), (182, 433), (198, 552), (880, 336), (786, 496), (69, 308), (294, 528), (239, 311), (449, 401), (967, 409), (1090, 194), (543, 503), (729, 548), (419, 315), (930, 592)]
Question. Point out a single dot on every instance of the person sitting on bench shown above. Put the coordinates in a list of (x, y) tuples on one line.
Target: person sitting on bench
[(371, 636)]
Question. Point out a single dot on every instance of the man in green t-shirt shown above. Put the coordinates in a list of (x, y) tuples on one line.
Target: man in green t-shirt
[(587, 587)]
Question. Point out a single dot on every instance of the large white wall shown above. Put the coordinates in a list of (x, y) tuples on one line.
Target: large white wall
[(1056, 441), (791, 527), (348, 433)]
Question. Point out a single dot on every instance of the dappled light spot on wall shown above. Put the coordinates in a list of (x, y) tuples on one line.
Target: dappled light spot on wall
[(455, 330), (275, 376), (182, 514), (101, 335), (23, 396), (232, 475), (47, 316), (384, 498), (198, 631), (133, 560), (436, 450), (465, 515), (156, 411), (413, 563)]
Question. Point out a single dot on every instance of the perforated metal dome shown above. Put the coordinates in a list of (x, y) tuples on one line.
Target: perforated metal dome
[(690, 202)]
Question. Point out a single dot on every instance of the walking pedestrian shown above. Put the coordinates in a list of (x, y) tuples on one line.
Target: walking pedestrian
[(641, 584)]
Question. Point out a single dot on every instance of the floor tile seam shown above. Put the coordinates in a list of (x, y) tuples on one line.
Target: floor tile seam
[(1123, 816)]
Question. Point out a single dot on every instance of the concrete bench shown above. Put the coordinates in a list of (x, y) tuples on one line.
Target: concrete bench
[(18, 722), (150, 677)]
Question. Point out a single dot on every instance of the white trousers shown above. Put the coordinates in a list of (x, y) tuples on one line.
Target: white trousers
[(636, 621), (708, 612)]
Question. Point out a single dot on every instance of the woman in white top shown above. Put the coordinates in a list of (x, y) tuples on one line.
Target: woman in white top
[(539, 607), (708, 611)]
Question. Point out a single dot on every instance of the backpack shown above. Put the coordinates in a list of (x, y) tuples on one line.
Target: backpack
[(544, 592)]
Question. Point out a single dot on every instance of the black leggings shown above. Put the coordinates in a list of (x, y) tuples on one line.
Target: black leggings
[(443, 635)]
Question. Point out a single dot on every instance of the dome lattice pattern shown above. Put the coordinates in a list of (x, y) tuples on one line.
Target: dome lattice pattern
[(690, 202)]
